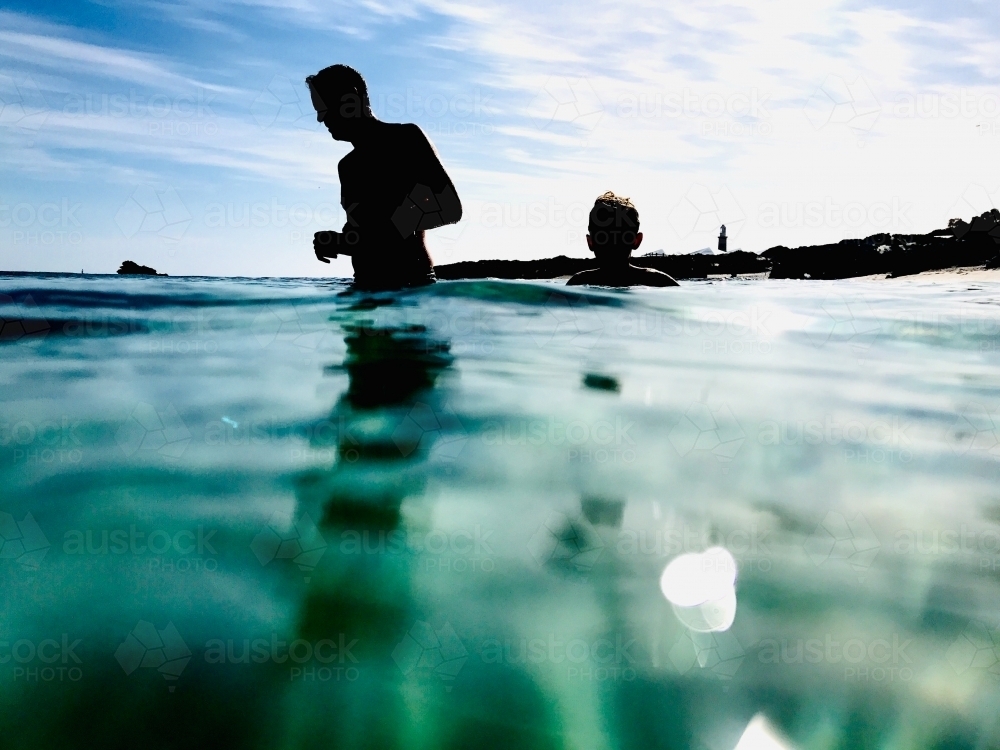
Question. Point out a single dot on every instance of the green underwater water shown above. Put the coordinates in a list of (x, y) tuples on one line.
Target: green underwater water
[(277, 513)]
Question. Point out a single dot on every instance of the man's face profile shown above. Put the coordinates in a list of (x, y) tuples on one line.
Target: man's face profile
[(336, 119)]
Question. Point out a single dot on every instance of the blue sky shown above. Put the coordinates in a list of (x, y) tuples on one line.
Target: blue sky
[(180, 134)]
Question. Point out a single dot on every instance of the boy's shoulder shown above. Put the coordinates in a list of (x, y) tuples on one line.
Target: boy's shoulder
[(636, 276), (590, 276), (652, 277)]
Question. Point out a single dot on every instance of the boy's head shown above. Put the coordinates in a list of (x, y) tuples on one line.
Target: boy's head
[(340, 97), (613, 230)]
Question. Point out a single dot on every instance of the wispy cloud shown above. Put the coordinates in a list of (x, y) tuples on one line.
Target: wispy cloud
[(51, 48)]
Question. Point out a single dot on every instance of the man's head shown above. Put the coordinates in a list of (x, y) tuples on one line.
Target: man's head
[(613, 230), (340, 96)]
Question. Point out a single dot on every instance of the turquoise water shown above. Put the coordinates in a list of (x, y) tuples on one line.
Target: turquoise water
[(273, 513)]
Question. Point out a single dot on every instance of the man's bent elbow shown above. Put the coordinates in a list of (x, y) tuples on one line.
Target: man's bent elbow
[(450, 205)]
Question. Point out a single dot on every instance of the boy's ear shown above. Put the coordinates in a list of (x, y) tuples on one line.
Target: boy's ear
[(636, 242), (590, 242)]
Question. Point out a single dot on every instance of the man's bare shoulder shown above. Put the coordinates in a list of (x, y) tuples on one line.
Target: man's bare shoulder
[(403, 131)]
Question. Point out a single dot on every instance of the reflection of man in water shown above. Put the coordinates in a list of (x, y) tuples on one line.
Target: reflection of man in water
[(392, 187)]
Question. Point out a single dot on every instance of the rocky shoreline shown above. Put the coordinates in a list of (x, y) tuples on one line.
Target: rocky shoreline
[(961, 244)]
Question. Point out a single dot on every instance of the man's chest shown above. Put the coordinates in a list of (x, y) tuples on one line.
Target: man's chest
[(379, 177)]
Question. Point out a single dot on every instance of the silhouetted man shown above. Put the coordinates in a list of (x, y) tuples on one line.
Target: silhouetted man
[(392, 187), (612, 234)]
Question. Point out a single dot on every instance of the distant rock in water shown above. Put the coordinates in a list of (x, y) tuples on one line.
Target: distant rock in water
[(128, 268)]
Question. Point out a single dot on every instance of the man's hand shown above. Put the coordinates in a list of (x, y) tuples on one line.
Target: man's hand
[(325, 244)]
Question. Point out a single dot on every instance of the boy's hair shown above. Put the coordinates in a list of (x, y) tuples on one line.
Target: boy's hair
[(615, 215), (337, 81)]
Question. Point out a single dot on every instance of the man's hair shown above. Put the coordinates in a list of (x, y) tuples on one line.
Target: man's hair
[(334, 83), (613, 213)]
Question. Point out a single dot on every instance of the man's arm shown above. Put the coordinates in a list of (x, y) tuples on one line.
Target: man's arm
[(433, 200)]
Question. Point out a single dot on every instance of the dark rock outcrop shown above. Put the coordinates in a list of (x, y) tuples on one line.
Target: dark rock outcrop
[(545, 268), (698, 266), (128, 268), (973, 243), (678, 266)]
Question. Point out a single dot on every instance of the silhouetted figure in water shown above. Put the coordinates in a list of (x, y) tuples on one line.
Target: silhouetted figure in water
[(392, 186), (613, 233)]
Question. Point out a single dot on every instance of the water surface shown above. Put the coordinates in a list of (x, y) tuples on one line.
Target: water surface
[(261, 513)]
